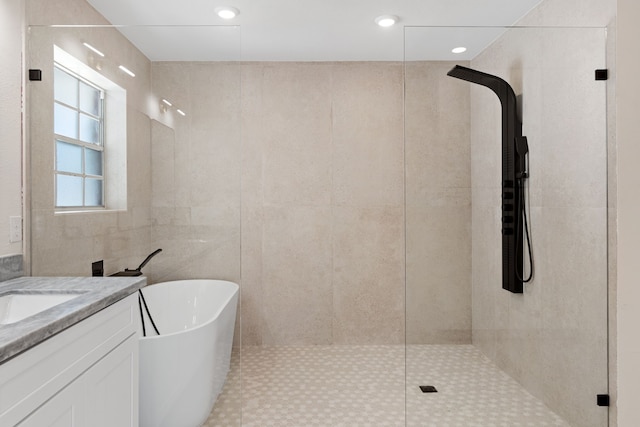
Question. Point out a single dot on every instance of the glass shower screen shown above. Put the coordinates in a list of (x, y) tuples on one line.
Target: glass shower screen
[(492, 354)]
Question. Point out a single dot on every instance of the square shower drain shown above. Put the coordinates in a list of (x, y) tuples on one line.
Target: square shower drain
[(428, 389)]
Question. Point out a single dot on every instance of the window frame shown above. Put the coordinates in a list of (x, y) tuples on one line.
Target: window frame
[(99, 146)]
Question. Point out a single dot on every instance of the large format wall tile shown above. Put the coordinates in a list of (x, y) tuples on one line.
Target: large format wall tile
[(196, 171), (66, 243), (368, 285), (296, 136), (367, 138), (319, 172), (436, 130), (438, 205), (438, 275), (296, 264), (322, 193), (552, 338)]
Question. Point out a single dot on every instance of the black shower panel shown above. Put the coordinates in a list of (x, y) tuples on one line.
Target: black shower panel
[(514, 150)]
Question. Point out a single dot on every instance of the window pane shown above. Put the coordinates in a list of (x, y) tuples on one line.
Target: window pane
[(68, 190), (93, 192), (89, 99), (68, 157), (65, 121), (65, 87), (93, 162), (89, 129)]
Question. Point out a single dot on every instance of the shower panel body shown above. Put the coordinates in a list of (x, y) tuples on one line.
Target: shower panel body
[(513, 172)]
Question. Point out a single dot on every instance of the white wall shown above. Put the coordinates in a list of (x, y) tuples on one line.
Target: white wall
[(11, 17), (628, 199)]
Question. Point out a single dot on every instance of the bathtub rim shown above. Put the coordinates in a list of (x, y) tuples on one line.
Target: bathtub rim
[(205, 324)]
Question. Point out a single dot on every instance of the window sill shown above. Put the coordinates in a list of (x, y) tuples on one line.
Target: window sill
[(87, 211)]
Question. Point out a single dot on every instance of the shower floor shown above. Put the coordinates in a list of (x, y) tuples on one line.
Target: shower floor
[(333, 386)]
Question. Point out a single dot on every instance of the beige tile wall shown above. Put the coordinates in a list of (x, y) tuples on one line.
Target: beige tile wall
[(66, 244), (195, 171), (438, 205), (323, 255), (553, 338), (323, 219), (322, 200), (322, 159)]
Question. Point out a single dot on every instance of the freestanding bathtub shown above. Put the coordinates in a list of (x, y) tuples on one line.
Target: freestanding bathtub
[(183, 370)]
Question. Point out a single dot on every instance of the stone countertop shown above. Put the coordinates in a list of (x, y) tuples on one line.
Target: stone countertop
[(96, 293)]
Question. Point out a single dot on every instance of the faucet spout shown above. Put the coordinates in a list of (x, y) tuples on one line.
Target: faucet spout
[(138, 271), (147, 259)]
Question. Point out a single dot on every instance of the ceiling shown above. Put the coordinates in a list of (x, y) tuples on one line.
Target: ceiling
[(311, 30)]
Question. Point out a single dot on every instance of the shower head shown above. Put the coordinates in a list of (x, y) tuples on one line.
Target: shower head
[(495, 83), (470, 74)]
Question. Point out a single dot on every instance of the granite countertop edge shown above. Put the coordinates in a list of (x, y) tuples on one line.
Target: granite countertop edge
[(96, 293)]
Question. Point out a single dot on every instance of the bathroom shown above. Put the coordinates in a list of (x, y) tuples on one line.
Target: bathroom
[(330, 226)]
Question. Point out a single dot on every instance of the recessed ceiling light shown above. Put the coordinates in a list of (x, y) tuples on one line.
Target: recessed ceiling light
[(227, 12), (459, 49), (386, 20), (182, 113), (167, 102)]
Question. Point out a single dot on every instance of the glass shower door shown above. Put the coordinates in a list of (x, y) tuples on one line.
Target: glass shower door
[(495, 356), (170, 155), (323, 240)]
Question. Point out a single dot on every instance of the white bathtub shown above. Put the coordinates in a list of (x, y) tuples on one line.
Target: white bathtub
[(183, 370)]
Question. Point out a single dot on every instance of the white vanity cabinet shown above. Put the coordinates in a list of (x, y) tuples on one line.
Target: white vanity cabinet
[(86, 375)]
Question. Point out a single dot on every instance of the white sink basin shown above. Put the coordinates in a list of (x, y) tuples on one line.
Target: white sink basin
[(17, 306)]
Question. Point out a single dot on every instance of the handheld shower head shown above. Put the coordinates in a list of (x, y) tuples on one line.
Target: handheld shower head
[(522, 149)]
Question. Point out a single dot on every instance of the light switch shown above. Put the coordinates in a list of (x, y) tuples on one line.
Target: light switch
[(15, 229)]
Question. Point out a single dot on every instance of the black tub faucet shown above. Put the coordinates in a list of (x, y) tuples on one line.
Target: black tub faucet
[(138, 271)]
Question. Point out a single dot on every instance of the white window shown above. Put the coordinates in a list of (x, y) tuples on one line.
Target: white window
[(90, 141), (79, 141)]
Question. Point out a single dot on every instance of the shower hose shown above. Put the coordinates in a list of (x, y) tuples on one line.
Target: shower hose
[(523, 219)]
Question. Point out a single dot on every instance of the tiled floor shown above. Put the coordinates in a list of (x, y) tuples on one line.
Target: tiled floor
[(352, 386)]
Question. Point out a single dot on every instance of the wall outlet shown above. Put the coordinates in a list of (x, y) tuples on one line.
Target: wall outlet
[(15, 229)]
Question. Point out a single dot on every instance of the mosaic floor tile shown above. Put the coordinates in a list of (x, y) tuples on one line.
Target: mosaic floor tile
[(472, 391), (334, 386)]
